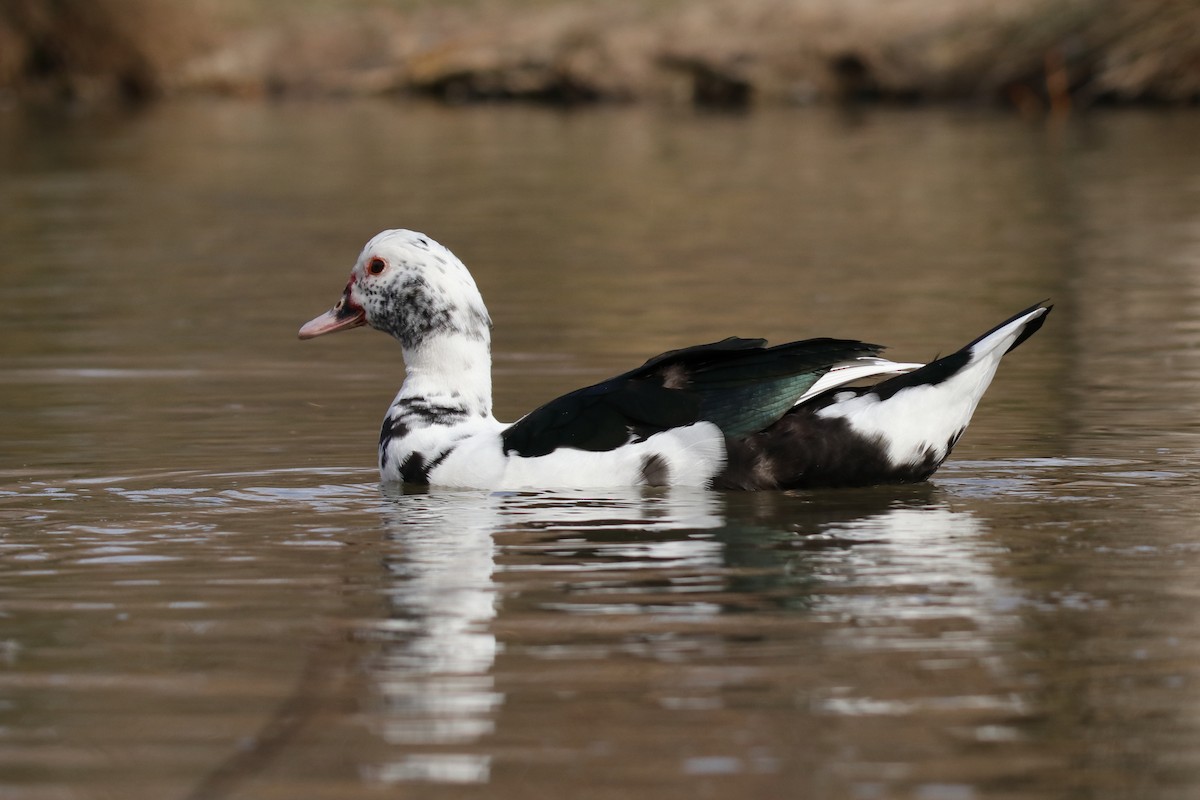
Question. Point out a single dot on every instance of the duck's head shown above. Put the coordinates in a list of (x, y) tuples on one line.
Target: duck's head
[(408, 285)]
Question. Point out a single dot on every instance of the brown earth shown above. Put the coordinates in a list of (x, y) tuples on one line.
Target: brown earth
[(1034, 54)]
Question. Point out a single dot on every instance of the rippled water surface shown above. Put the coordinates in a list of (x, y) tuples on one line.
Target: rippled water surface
[(204, 593)]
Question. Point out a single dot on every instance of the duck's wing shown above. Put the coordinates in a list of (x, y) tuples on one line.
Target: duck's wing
[(859, 371), (740, 385)]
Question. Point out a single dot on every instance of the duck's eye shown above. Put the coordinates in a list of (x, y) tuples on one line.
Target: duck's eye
[(376, 266)]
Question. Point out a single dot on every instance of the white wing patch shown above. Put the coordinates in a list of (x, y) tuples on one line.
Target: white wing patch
[(859, 369)]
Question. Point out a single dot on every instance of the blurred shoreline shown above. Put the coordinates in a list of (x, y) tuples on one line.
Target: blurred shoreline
[(1037, 56)]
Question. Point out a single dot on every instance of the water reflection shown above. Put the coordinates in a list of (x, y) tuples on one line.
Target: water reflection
[(472, 577), (436, 649), (802, 640), (432, 671)]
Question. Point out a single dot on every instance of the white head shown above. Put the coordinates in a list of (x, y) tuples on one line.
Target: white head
[(408, 285)]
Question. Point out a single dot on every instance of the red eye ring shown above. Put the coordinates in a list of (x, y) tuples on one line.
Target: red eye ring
[(376, 266)]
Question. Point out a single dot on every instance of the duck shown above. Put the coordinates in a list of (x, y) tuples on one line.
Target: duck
[(734, 414)]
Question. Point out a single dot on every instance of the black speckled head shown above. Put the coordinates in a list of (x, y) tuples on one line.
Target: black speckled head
[(408, 285)]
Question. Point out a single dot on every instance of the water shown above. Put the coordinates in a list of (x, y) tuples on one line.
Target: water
[(205, 594)]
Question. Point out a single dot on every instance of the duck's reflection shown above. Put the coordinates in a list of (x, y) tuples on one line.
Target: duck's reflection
[(433, 672), (636, 553)]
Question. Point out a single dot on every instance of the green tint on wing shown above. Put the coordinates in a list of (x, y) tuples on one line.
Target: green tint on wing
[(746, 394), (740, 385)]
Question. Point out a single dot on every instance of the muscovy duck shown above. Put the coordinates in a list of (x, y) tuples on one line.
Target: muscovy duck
[(733, 414)]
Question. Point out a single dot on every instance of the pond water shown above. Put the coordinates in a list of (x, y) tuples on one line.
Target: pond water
[(204, 592)]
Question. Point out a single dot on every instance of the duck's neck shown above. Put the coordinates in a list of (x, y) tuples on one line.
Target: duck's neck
[(450, 370)]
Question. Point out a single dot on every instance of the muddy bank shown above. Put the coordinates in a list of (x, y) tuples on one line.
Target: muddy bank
[(1033, 54)]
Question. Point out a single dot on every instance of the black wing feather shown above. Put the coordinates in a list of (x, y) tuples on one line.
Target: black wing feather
[(740, 385)]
